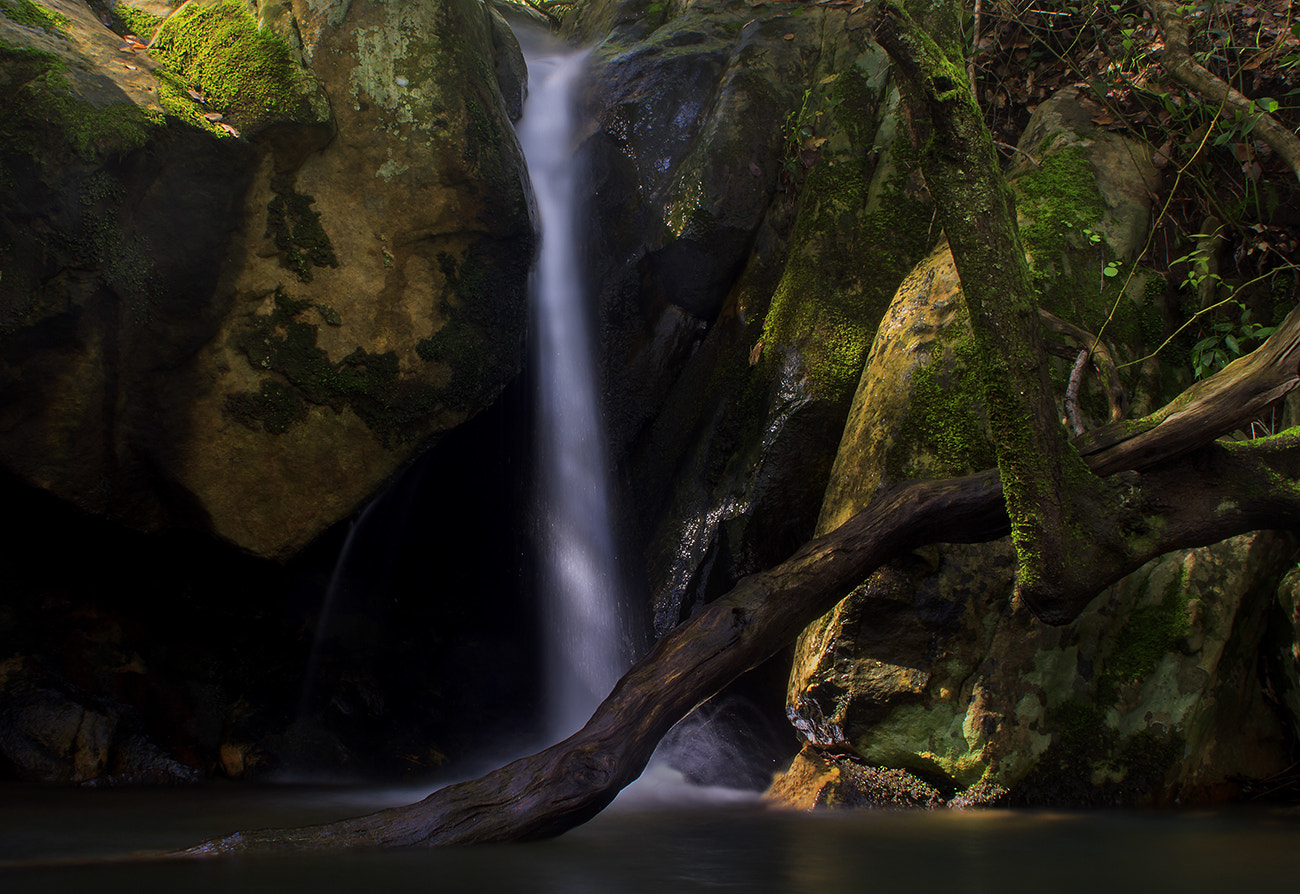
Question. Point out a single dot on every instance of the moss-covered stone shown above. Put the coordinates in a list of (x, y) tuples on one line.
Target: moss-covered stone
[(273, 408), (148, 369), (847, 256), (34, 14), (1089, 762), (251, 76), (945, 431), (733, 467), (45, 118), (929, 668), (285, 344), (1153, 630)]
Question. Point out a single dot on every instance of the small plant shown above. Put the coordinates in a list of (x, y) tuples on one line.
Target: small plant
[(1225, 343)]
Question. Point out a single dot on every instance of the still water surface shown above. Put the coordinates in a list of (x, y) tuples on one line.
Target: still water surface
[(631, 848)]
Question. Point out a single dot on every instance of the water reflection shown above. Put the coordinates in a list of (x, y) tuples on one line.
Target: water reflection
[(742, 848)]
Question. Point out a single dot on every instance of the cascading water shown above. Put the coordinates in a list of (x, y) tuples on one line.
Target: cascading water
[(587, 644), (585, 648)]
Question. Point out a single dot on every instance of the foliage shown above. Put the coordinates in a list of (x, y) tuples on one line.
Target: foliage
[(1216, 171), (1217, 350)]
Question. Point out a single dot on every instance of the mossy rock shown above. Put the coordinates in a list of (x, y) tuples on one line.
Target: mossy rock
[(213, 331), (250, 75), (734, 465)]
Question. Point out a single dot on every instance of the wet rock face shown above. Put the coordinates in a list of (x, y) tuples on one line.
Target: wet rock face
[(1284, 643), (50, 731), (686, 152), (250, 329), (746, 208)]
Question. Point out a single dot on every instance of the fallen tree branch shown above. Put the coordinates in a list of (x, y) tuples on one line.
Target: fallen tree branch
[(1102, 357), (1178, 61), (1210, 493), (1072, 394), (1207, 410)]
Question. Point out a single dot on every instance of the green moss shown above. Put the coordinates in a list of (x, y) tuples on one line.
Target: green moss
[(1089, 763), (1151, 632), (1081, 744), (133, 20), (946, 418), (479, 339), (273, 408), (854, 102), (297, 230), (470, 342), (845, 261), (41, 114), (1061, 200), (251, 75), (35, 15), (285, 346)]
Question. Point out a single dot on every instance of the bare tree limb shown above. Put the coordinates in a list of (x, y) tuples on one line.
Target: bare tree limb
[(1102, 357), (1072, 393)]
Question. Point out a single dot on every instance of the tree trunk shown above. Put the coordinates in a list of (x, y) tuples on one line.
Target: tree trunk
[(1058, 509)]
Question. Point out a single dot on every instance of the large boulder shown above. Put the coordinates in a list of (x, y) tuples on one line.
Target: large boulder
[(1284, 646), (690, 106), (230, 302), (1151, 694)]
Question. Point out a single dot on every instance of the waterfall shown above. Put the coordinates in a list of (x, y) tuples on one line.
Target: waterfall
[(585, 644)]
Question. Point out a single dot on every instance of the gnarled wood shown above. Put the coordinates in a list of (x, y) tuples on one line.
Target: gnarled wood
[(1099, 353)]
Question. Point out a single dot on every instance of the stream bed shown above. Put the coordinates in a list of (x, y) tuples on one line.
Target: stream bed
[(57, 839)]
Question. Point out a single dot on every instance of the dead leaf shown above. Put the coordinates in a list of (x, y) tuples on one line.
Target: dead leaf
[(1162, 156), (755, 169), (788, 37)]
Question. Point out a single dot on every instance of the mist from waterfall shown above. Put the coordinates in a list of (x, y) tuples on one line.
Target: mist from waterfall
[(585, 645)]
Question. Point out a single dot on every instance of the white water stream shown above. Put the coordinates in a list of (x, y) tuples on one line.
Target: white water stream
[(585, 643)]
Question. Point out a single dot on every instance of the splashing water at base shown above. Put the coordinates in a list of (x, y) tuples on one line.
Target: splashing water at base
[(585, 642)]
